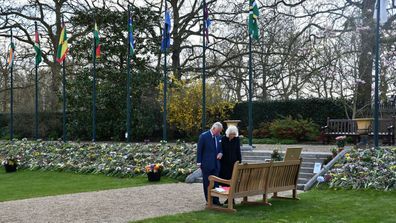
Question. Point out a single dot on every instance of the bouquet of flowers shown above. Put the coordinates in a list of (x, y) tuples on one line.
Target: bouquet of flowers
[(154, 168), (153, 171), (10, 164)]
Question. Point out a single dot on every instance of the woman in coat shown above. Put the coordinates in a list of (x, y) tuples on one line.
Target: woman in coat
[(231, 152)]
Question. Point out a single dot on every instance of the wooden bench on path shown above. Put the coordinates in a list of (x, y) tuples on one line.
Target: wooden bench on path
[(348, 127), (256, 179)]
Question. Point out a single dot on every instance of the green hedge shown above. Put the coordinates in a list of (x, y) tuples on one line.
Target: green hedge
[(316, 109)]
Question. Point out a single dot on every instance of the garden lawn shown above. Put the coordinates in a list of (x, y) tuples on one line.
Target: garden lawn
[(27, 184), (325, 205)]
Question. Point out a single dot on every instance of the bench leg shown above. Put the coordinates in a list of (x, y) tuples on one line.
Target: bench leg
[(230, 207), (210, 200), (294, 196), (264, 202)]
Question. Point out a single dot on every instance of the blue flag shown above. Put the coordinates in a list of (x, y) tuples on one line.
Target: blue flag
[(130, 37), (165, 44), (207, 22)]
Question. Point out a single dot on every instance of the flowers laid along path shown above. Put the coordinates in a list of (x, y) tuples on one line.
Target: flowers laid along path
[(118, 205)]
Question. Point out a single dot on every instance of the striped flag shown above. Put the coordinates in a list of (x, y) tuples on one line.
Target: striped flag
[(131, 41), (165, 44), (97, 43), (62, 45), (11, 55), (253, 15), (207, 22), (37, 45)]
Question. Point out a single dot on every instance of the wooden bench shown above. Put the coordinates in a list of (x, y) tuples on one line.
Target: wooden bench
[(348, 127), (256, 179)]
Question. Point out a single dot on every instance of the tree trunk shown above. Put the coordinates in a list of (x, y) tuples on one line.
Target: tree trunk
[(366, 58)]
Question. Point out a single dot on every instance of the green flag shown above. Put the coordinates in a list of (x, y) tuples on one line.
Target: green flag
[(97, 43), (253, 15), (37, 46)]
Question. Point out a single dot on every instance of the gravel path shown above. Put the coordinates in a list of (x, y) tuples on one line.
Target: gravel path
[(119, 205)]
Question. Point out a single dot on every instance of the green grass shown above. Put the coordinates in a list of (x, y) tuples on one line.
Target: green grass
[(315, 206), (27, 184)]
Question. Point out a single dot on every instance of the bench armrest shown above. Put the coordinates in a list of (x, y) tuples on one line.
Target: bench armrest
[(219, 180)]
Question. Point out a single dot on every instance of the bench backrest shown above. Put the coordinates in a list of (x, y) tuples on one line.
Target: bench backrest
[(350, 126), (342, 125), (284, 175), (262, 178), (249, 179), (292, 154)]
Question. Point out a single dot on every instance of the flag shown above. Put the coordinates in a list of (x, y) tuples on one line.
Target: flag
[(10, 60), (131, 41), (62, 45), (253, 15), (165, 44), (207, 22), (383, 14), (37, 46), (97, 43)]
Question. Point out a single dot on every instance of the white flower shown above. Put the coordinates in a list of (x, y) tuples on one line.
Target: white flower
[(101, 166), (320, 179)]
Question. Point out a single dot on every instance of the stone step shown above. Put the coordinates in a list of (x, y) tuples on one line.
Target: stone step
[(300, 186), (302, 180), (256, 157), (306, 169), (305, 175)]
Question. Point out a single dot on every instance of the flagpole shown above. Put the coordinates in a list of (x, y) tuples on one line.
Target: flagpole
[(165, 90), (250, 91), (204, 69), (165, 48), (36, 98), (64, 96), (377, 70), (94, 89), (12, 93), (129, 100)]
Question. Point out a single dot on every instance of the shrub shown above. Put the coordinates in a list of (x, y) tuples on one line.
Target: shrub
[(297, 129), (185, 107), (263, 131)]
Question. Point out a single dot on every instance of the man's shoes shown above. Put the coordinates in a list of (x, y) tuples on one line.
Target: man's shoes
[(217, 203)]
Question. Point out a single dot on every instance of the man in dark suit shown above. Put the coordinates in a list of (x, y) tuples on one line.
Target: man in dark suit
[(209, 154)]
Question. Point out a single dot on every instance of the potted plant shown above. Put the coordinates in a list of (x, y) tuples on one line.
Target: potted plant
[(154, 171), (340, 141), (276, 156), (10, 159), (10, 164)]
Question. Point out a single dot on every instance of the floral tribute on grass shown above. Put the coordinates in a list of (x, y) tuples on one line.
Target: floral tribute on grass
[(366, 168), (154, 171), (112, 159)]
